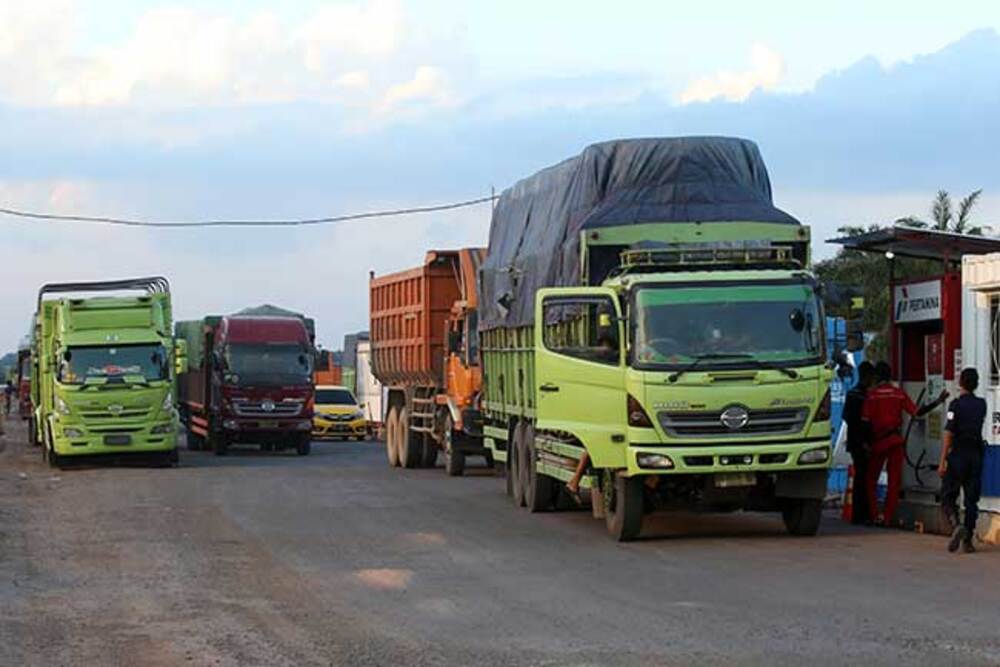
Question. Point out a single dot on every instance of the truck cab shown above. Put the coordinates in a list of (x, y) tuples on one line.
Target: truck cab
[(690, 387), (251, 381), (104, 381)]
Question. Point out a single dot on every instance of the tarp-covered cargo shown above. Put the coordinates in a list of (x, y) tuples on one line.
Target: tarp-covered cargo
[(535, 231)]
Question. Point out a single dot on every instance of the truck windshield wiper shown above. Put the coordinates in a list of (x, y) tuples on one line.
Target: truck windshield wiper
[(676, 375), (742, 356)]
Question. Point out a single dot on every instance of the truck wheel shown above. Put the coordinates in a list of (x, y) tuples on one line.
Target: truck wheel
[(303, 446), (802, 516), (429, 457), (540, 489), (516, 468), (52, 456), (623, 506), (454, 460), (32, 434), (391, 426), (411, 448)]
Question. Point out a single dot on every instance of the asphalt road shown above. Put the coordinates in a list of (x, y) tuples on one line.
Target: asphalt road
[(335, 559)]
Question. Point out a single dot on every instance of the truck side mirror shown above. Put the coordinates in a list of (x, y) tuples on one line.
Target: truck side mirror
[(180, 356), (797, 320), (454, 342)]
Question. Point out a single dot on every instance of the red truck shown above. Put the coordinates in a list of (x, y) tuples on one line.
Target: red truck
[(249, 381), (425, 352)]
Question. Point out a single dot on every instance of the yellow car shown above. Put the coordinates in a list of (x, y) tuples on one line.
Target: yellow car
[(338, 415)]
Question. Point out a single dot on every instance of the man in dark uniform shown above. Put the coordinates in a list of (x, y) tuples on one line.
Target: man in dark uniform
[(858, 445), (961, 466), (883, 411)]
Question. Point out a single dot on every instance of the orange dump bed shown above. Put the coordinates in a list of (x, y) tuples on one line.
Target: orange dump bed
[(408, 311)]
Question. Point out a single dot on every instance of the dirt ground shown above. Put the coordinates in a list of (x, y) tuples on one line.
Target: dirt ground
[(336, 559)]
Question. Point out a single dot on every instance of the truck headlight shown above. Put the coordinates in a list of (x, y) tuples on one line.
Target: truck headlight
[(818, 455), (661, 461), (358, 414), (161, 429), (61, 406), (72, 433)]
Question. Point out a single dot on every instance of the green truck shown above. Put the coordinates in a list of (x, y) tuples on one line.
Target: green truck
[(649, 324), (103, 372)]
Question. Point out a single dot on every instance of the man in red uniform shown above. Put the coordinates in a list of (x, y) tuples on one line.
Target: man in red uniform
[(883, 413)]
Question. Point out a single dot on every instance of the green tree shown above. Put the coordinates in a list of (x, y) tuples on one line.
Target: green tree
[(945, 218)]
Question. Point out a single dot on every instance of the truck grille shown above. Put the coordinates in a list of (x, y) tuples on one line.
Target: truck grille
[(124, 413), (265, 408), (709, 424)]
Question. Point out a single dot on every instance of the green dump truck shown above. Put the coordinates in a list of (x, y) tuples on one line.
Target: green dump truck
[(648, 320), (104, 369)]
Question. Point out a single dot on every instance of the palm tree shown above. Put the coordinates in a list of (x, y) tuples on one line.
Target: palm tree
[(944, 217)]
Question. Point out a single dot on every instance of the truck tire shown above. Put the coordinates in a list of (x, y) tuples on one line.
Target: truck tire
[(195, 442), (32, 433), (411, 449), (52, 456), (623, 506), (540, 489), (454, 460), (514, 454), (304, 445), (429, 457), (525, 465), (391, 426), (802, 516)]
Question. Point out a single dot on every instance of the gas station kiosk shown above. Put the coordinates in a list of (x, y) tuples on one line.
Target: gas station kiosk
[(938, 326)]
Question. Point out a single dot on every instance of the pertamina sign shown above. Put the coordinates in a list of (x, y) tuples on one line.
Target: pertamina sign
[(918, 302)]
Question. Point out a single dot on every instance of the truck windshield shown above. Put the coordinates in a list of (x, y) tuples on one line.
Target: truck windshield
[(726, 326), (80, 364), (267, 364), (334, 397)]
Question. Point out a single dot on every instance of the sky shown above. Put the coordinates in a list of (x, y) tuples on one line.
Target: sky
[(249, 109)]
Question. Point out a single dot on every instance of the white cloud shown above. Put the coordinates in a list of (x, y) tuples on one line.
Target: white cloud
[(428, 87), (765, 72), (357, 79), (186, 56)]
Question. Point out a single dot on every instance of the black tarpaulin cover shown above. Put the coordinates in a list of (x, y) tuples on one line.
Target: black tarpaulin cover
[(535, 231)]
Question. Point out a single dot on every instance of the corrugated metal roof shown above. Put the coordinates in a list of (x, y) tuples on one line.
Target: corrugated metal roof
[(920, 243)]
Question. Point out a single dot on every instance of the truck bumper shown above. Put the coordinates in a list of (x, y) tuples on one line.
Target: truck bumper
[(114, 443), (774, 457), (265, 431)]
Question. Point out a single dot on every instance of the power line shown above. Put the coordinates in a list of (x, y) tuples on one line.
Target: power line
[(128, 222)]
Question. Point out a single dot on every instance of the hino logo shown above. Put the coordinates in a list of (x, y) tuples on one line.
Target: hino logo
[(267, 405), (116, 409), (735, 417)]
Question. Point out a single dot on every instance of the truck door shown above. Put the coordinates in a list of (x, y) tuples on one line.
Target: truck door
[(580, 369)]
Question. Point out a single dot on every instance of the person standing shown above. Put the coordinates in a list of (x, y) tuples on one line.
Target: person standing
[(961, 466), (858, 445), (883, 411)]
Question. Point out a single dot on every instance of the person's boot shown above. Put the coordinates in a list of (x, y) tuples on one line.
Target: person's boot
[(967, 546), (957, 537)]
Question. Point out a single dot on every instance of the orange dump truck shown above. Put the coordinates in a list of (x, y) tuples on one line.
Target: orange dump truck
[(424, 351)]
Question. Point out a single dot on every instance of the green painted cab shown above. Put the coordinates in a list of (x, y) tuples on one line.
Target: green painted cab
[(104, 371)]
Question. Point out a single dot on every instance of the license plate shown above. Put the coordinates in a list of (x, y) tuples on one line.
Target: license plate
[(735, 479), (117, 440)]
